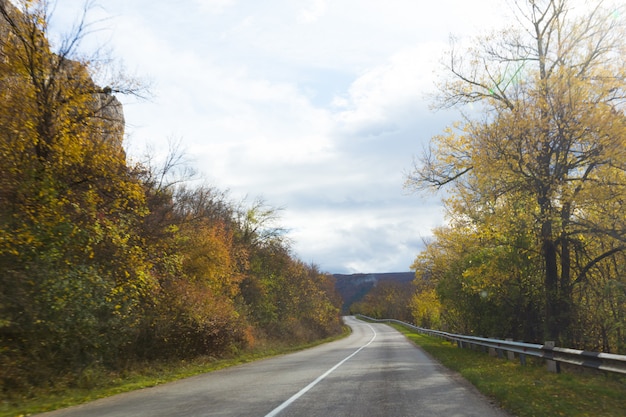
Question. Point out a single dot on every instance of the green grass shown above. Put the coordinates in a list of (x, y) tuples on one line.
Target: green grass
[(100, 383), (530, 390)]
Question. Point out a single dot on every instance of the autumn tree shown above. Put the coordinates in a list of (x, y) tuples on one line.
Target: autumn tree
[(70, 265), (479, 281), (550, 143), (284, 297), (226, 276)]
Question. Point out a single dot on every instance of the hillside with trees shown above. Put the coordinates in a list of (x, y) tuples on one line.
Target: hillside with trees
[(354, 288), (105, 263), (535, 179)]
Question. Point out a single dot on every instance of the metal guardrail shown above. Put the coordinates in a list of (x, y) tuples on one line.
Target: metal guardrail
[(597, 360)]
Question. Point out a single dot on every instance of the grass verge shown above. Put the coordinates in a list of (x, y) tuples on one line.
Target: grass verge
[(531, 391), (101, 384)]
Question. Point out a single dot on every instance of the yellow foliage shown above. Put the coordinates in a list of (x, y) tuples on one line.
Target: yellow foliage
[(426, 309), (208, 259)]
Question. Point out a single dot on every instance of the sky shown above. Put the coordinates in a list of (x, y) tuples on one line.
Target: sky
[(318, 107)]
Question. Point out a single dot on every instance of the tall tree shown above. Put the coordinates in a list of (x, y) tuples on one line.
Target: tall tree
[(553, 133)]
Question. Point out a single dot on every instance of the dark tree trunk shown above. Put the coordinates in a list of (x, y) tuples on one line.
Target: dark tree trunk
[(551, 281), (564, 321)]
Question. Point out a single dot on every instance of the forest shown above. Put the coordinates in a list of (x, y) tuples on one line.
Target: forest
[(105, 263), (533, 178)]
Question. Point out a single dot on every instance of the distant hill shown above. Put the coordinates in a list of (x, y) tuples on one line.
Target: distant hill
[(353, 287)]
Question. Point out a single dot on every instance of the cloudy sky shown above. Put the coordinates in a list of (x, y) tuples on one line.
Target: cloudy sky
[(317, 106)]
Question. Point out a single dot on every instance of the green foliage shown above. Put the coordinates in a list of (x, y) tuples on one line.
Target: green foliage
[(287, 298), (476, 284)]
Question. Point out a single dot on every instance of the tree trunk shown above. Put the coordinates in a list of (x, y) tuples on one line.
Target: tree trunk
[(551, 281), (564, 321)]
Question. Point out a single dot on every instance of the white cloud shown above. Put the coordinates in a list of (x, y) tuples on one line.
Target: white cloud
[(376, 97), (315, 10), (374, 237), (214, 6)]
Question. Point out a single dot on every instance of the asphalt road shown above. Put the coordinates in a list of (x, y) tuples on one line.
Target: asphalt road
[(375, 371)]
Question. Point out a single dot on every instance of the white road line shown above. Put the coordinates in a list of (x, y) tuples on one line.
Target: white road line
[(304, 390)]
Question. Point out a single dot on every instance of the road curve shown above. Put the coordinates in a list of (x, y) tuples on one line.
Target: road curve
[(375, 371)]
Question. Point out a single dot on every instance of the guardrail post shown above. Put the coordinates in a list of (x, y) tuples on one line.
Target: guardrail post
[(522, 356), (484, 348), (492, 351), (522, 359), (510, 355), (551, 365)]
